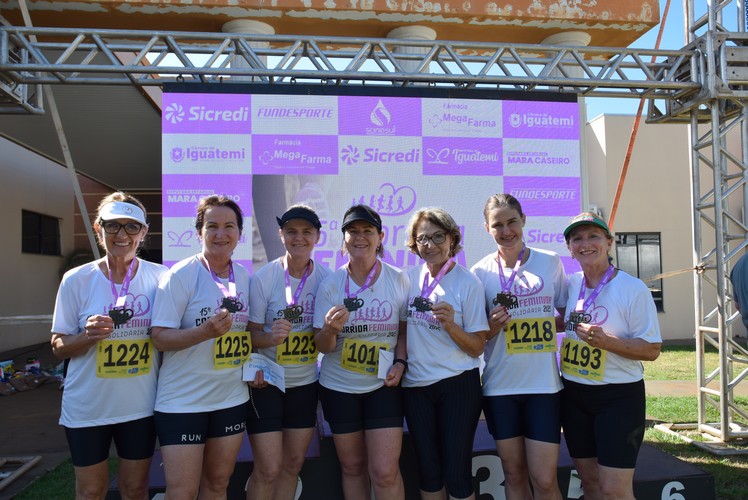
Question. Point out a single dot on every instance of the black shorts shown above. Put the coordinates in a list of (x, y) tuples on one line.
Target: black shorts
[(196, 428), (134, 440), (270, 410), (533, 416), (604, 421), (347, 412)]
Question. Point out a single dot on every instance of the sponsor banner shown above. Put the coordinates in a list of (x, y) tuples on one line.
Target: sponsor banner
[(398, 152), (181, 193), (302, 115), (205, 154), (546, 231), (541, 196), (295, 154), (539, 120), (462, 118), (181, 241), (571, 266), (206, 114), (541, 158), (380, 116), (462, 156)]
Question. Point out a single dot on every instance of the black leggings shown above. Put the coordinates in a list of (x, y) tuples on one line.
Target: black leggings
[(442, 418)]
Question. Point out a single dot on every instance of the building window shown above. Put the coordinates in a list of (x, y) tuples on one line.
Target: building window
[(41, 234), (639, 255)]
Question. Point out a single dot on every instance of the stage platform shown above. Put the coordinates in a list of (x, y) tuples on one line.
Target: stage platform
[(658, 475)]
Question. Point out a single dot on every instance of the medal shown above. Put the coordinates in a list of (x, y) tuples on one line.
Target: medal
[(294, 311), (351, 301), (422, 302), (120, 314), (231, 304), (506, 298), (230, 301), (291, 313)]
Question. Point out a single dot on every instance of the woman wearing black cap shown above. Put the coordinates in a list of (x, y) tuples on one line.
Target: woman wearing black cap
[(359, 325), (611, 327), (281, 304)]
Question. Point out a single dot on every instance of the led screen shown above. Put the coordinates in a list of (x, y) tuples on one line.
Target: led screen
[(396, 150)]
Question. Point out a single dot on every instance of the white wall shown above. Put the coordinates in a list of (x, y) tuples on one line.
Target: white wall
[(30, 182), (656, 198)]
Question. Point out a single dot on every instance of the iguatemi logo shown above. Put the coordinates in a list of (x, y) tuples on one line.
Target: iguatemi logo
[(541, 120), (174, 113), (206, 153), (460, 156)]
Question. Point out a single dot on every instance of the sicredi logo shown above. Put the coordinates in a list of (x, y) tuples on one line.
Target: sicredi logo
[(351, 155), (174, 113), (541, 120)]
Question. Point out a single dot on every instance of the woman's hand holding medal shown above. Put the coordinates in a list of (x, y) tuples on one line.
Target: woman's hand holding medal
[(592, 334), (444, 312), (218, 324), (99, 327), (280, 330), (336, 318), (498, 318)]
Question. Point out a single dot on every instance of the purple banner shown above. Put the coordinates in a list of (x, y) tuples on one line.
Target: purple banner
[(295, 154), (181, 193), (545, 195), (541, 120), (206, 114), (462, 156), (379, 116)]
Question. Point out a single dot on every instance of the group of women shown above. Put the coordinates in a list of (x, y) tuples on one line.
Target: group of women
[(396, 344)]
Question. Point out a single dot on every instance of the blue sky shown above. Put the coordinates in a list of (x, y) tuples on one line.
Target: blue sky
[(673, 38)]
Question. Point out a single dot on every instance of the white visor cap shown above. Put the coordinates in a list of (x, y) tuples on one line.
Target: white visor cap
[(122, 210)]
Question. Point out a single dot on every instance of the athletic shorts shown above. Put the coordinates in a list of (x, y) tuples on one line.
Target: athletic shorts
[(604, 421), (134, 440), (196, 428), (270, 410), (378, 409), (533, 416)]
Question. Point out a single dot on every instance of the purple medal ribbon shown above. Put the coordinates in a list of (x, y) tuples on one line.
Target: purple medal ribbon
[(582, 303), (292, 300), (506, 285), (426, 289), (121, 297), (367, 281), (231, 292)]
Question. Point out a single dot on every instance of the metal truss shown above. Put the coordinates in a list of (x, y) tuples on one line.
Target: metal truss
[(69, 56), (704, 84), (720, 206)]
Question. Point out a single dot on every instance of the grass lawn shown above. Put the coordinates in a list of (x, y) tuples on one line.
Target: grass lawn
[(675, 363)]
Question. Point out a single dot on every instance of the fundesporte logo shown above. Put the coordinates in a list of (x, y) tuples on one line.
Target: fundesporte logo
[(174, 113), (350, 155)]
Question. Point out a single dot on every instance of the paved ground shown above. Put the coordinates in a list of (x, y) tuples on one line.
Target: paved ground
[(28, 422)]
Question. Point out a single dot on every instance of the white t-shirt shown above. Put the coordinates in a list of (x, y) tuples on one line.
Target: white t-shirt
[(90, 400), (375, 325), (540, 288), (624, 308), (432, 354), (267, 299), (188, 383)]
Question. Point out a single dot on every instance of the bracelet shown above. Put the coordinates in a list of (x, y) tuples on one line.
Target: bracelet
[(402, 362)]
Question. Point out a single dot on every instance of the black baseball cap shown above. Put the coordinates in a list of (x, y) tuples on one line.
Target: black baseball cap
[(363, 213), (303, 213)]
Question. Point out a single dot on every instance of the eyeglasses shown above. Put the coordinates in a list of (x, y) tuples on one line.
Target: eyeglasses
[(436, 239), (113, 227)]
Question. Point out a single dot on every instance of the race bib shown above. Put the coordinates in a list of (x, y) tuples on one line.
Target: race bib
[(298, 349), (581, 360), (529, 335), (231, 350), (361, 356), (123, 358)]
